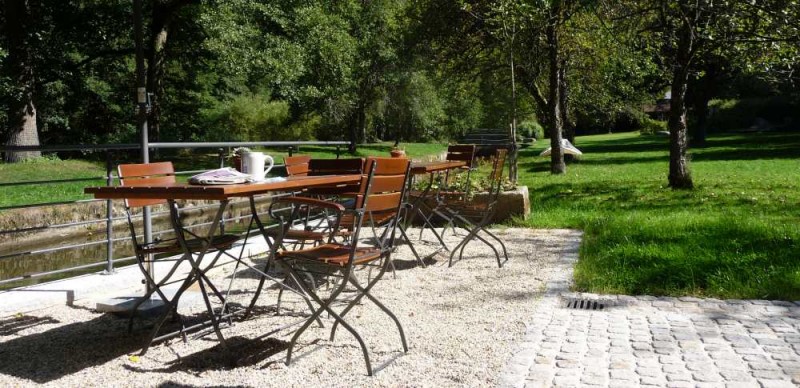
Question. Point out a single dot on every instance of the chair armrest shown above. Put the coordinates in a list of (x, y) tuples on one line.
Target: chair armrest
[(311, 202)]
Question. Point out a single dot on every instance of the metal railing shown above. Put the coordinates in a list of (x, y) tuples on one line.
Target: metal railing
[(110, 178)]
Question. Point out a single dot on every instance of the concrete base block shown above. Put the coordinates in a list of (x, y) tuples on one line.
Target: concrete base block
[(123, 305)]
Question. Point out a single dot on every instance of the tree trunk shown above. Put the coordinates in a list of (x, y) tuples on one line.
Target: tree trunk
[(563, 94), (557, 165), (163, 14), (357, 122), (514, 151), (22, 129), (679, 176)]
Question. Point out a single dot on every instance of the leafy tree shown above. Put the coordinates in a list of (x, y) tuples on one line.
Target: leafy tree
[(21, 32)]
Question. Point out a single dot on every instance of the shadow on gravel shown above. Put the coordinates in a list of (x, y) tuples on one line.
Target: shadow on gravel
[(50, 355), (241, 352), (16, 324)]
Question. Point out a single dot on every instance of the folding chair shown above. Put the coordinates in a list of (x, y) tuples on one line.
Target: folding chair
[(448, 186), (303, 165), (297, 166), (474, 217), (381, 219), (382, 190), (146, 253)]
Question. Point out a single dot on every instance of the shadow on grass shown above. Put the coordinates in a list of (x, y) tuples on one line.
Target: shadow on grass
[(784, 146), (635, 144)]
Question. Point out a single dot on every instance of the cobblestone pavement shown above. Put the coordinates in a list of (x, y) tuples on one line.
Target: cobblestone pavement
[(649, 341)]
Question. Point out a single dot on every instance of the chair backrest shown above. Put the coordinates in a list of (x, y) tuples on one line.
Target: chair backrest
[(382, 190), (335, 166), (297, 165), (384, 184), (496, 176), (462, 152), (147, 174)]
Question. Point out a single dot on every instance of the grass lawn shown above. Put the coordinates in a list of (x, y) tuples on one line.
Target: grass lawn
[(52, 169), (736, 235)]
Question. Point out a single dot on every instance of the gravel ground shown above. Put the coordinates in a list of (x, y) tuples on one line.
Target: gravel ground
[(461, 324)]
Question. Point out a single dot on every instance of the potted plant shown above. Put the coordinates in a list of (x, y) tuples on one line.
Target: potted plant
[(236, 157), (397, 152)]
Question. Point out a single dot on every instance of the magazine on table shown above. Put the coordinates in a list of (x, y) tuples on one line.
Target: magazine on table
[(227, 176)]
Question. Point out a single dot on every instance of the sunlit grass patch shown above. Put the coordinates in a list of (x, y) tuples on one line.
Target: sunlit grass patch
[(734, 236)]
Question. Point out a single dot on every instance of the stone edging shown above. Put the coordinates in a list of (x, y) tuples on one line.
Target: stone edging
[(559, 282)]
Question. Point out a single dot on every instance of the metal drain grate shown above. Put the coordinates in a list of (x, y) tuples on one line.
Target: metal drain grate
[(584, 304)]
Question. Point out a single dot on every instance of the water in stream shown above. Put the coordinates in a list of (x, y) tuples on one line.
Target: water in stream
[(23, 258)]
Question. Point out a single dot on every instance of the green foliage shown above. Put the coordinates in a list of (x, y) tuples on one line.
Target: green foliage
[(651, 126), (735, 236), (531, 128), (251, 117), (243, 69)]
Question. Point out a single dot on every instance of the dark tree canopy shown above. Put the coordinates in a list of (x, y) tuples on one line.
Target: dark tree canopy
[(386, 70)]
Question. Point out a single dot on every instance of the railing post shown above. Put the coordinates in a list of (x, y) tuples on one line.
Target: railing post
[(221, 152), (291, 151), (109, 217), (337, 151), (221, 165)]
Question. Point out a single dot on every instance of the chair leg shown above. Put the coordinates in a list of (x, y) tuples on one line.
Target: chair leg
[(325, 306), (365, 293), (502, 245), (496, 253), (214, 320), (385, 309), (430, 226), (473, 233), (258, 289), (461, 245), (410, 245), (189, 280), (153, 288), (280, 294)]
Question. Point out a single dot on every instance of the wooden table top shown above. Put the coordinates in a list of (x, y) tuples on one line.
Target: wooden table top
[(218, 192), (439, 165)]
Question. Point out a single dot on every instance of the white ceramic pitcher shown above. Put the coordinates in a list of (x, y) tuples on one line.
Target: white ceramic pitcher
[(254, 164)]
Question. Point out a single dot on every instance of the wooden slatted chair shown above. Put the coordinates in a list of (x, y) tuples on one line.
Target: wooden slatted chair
[(449, 186), (474, 217), (382, 190), (301, 214), (297, 165), (380, 219), (147, 254)]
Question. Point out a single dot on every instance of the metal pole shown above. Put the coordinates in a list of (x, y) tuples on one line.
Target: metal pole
[(141, 116), (109, 218)]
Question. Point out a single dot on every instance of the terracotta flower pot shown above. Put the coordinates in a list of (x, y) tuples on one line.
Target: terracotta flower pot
[(398, 153)]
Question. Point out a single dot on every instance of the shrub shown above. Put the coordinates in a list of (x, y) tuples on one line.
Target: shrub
[(253, 117), (629, 119), (650, 126), (530, 128)]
